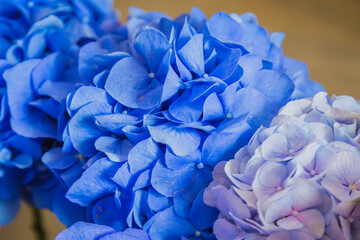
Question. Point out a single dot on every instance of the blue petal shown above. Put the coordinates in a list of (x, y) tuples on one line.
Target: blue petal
[(172, 84), (22, 161), (115, 122), (275, 85), (126, 80), (213, 109), (197, 18), (88, 94), (83, 131), (67, 212), (158, 202), (84, 231), (117, 150), (143, 155), (56, 90), (220, 146), (192, 54), (52, 68), (168, 225), (201, 215), (224, 27), (182, 141), (94, 183), (128, 234), (36, 46), (152, 51), (106, 212), (123, 177), (187, 181), (175, 162), (182, 207), (143, 180), (26, 121), (185, 35), (185, 110)]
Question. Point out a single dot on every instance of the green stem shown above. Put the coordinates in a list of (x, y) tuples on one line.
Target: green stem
[(39, 230)]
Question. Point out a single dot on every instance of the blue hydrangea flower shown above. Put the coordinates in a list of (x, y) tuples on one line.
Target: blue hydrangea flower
[(88, 231), (297, 179), (162, 113), (39, 52)]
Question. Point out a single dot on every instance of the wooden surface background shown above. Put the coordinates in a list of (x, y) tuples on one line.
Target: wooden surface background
[(323, 33)]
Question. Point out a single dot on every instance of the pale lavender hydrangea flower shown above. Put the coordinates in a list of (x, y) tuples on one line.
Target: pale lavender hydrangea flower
[(297, 179)]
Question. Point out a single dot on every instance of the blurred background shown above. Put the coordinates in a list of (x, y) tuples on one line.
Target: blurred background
[(323, 33)]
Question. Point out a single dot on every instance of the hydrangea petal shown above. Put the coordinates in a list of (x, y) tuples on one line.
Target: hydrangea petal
[(182, 141)]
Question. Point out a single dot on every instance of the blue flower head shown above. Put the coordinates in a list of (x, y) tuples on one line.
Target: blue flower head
[(175, 99), (297, 179), (39, 55)]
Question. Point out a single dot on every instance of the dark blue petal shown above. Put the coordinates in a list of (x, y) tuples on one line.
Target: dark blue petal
[(201, 215)]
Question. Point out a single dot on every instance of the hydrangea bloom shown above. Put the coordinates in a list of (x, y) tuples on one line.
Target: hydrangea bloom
[(297, 179), (39, 47), (162, 113)]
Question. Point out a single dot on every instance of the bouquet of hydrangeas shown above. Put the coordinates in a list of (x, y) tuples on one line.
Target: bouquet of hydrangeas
[(120, 129)]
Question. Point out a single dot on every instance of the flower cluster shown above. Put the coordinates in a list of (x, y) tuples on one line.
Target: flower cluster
[(39, 48), (165, 106), (297, 179)]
